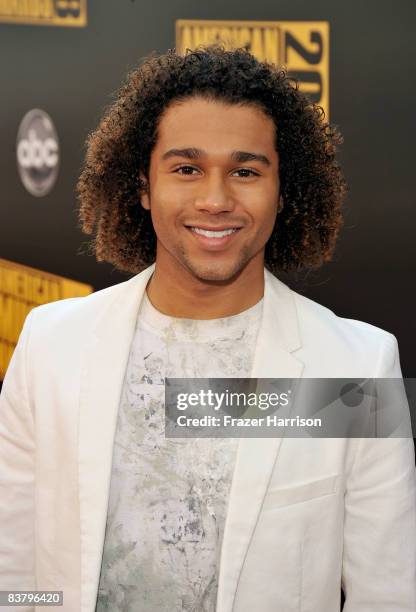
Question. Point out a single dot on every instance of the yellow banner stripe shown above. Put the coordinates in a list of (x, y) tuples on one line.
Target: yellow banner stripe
[(70, 13)]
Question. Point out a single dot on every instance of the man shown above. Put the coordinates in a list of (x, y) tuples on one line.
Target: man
[(215, 170)]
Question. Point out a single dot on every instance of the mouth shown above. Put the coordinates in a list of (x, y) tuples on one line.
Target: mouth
[(213, 238), (214, 233)]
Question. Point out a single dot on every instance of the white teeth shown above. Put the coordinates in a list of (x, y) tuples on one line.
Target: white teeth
[(213, 233)]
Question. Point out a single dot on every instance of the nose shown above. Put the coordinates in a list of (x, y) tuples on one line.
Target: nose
[(214, 196)]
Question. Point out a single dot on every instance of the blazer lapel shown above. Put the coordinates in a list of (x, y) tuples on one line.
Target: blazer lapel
[(256, 457), (105, 362)]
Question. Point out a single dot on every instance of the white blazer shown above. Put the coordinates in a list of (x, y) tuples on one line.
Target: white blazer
[(304, 515)]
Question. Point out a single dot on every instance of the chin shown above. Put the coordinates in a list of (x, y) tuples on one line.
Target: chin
[(215, 272)]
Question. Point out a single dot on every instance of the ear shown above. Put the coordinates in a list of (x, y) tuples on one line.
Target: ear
[(144, 192)]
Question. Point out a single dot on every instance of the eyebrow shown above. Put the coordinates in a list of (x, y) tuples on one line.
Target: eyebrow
[(237, 156)]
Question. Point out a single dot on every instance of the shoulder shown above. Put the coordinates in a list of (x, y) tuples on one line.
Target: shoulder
[(82, 312), (79, 310), (56, 335), (337, 343), (359, 348), (65, 327), (313, 315)]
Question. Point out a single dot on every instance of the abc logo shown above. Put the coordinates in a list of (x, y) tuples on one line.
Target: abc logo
[(37, 152)]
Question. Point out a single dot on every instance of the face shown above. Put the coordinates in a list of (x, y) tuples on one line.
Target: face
[(213, 188)]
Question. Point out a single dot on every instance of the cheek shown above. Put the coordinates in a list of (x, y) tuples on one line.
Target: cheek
[(262, 206), (265, 221), (164, 218)]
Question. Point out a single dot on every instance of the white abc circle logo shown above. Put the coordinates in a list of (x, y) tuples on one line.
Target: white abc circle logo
[(37, 152)]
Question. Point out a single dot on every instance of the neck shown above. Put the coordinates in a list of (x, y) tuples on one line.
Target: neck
[(176, 292)]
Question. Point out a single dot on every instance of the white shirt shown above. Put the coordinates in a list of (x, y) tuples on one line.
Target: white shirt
[(168, 497)]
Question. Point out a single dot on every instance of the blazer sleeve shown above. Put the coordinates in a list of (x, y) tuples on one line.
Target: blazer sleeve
[(17, 474), (379, 555)]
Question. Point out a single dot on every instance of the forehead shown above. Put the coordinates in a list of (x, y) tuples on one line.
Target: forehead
[(198, 122)]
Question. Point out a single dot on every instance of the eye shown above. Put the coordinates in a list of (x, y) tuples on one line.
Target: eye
[(185, 168), (252, 173)]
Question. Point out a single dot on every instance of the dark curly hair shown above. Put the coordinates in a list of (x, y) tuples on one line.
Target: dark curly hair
[(311, 182)]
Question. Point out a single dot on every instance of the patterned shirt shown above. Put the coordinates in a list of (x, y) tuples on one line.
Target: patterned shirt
[(168, 497)]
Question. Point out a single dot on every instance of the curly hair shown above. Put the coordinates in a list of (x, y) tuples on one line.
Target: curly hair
[(312, 185)]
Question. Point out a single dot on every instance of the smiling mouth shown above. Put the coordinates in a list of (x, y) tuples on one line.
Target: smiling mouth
[(213, 233)]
